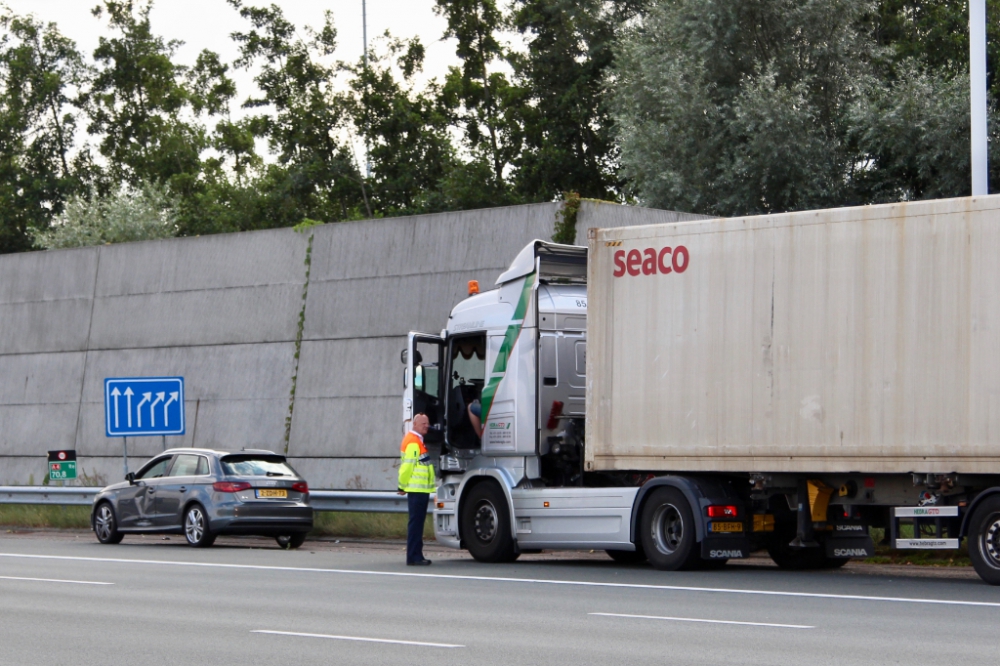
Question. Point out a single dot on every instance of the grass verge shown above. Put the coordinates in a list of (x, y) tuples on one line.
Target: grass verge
[(365, 525), (41, 515), (327, 523)]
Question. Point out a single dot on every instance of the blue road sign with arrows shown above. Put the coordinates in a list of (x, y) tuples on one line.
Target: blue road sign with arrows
[(140, 406)]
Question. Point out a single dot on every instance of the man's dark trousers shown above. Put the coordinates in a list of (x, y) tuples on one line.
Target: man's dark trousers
[(417, 504)]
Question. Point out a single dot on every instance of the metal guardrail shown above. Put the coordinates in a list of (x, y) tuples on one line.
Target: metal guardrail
[(65, 496), (321, 500)]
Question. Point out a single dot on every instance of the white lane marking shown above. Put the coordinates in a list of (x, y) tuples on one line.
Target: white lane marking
[(355, 638), (55, 580), (692, 619), (501, 579)]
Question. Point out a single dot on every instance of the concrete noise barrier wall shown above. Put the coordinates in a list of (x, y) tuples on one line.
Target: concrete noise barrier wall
[(287, 340)]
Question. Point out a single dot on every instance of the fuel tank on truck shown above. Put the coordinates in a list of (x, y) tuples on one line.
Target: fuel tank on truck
[(855, 339)]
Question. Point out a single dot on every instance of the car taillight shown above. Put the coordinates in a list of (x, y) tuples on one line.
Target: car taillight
[(717, 511), (300, 486), (230, 486)]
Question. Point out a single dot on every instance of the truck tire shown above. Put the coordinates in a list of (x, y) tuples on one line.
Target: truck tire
[(984, 540), (668, 532), (486, 524)]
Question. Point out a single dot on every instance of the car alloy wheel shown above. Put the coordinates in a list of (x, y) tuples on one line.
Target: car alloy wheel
[(196, 527), (105, 525)]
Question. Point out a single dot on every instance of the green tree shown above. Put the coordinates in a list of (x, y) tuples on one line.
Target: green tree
[(754, 106), (137, 101), (736, 106), (316, 176), (406, 131), (39, 70), (935, 32), (146, 212), (485, 97), (566, 124)]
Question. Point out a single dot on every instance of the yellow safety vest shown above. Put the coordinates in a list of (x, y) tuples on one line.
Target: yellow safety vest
[(415, 476)]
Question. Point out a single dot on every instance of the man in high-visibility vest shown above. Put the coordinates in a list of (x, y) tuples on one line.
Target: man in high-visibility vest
[(416, 480)]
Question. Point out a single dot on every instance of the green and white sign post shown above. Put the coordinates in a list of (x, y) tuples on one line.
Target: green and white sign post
[(62, 465)]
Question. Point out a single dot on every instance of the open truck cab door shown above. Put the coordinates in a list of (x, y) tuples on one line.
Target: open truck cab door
[(423, 383)]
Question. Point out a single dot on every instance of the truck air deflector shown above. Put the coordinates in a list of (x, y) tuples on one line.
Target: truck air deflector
[(555, 261)]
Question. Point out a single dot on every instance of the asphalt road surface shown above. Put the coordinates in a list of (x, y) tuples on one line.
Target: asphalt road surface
[(69, 600)]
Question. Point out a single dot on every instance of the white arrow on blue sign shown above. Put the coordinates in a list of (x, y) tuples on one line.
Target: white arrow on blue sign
[(139, 406)]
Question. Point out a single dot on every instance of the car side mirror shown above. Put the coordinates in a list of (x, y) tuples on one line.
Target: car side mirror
[(130, 477)]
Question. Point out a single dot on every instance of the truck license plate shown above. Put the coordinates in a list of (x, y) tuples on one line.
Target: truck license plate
[(272, 492), (727, 527)]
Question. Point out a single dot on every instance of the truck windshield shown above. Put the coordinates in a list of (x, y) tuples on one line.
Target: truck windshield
[(256, 465)]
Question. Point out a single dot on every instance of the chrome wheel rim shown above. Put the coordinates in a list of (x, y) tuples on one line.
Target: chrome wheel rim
[(194, 525), (104, 524), (668, 529), (990, 541), (486, 521)]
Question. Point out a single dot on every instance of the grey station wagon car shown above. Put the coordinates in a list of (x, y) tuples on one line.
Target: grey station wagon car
[(202, 494)]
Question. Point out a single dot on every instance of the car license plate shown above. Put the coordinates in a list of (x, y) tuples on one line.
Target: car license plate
[(727, 527), (280, 493)]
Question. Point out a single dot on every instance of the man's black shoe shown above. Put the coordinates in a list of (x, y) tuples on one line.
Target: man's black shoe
[(418, 563)]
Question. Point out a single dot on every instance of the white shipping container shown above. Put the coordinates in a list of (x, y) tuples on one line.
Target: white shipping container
[(854, 339)]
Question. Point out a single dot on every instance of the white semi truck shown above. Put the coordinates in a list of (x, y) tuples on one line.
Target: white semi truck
[(781, 382)]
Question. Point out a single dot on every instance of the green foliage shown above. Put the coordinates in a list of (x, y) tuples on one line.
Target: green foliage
[(39, 67), (753, 106), (480, 96), (561, 111), (365, 525), (714, 106), (565, 231), (137, 101), (405, 131), (318, 177), (40, 516), (146, 212)]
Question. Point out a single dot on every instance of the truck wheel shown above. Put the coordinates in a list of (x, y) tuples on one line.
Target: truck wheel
[(668, 532), (984, 540), (486, 524)]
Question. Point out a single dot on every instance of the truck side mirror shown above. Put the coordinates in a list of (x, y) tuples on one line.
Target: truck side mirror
[(403, 355)]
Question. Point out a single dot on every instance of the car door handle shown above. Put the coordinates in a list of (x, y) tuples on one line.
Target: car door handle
[(183, 489)]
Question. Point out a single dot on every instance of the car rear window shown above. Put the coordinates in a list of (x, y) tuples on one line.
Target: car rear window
[(255, 465)]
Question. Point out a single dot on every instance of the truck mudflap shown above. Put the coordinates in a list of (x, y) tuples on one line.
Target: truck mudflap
[(724, 548), (843, 547)]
